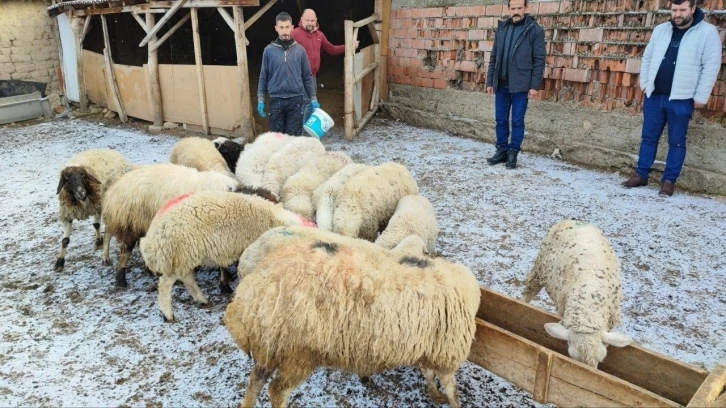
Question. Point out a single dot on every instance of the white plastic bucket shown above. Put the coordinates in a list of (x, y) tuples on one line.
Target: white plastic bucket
[(318, 123)]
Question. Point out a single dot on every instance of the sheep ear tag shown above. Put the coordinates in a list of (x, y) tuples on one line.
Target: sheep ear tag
[(557, 331), (616, 339)]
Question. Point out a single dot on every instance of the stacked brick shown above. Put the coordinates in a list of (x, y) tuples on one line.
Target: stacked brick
[(28, 45), (594, 49)]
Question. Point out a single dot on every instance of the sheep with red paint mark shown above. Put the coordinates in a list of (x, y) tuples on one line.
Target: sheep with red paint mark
[(206, 229), (83, 183)]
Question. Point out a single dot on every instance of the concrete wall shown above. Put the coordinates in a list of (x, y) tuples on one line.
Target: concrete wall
[(590, 103), (28, 43)]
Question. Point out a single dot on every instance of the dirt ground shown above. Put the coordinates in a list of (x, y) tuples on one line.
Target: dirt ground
[(72, 339)]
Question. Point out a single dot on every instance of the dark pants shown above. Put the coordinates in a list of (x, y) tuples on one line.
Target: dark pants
[(657, 112), (286, 115), (503, 103)]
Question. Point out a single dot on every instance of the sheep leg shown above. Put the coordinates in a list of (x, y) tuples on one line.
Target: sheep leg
[(448, 383), (224, 279), (258, 378), (191, 284), (287, 379), (61, 261), (105, 258), (97, 227), (434, 393), (123, 261), (166, 284), (532, 286)]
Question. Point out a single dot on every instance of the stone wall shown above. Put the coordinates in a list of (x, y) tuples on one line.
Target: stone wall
[(28, 43), (590, 104)]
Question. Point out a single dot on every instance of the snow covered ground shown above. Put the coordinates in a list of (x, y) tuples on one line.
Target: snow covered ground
[(72, 339)]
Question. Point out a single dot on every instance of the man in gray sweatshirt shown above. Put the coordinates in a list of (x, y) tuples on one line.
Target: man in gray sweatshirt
[(287, 77)]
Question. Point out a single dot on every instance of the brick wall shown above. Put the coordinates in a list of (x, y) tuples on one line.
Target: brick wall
[(593, 49), (28, 45)]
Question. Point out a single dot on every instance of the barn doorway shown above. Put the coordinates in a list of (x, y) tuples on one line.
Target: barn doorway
[(331, 16)]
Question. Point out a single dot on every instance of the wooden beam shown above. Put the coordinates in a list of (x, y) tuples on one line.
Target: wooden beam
[(161, 6), (647, 369), (367, 70), (200, 71), (348, 67), (226, 17), (141, 23), (259, 13), (711, 388), (247, 123), (374, 33), (86, 25), (542, 377), (373, 18), (385, 13), (300, 6), (82, 97), (154, 82), (111, 72), (156, 44), (161, 22)]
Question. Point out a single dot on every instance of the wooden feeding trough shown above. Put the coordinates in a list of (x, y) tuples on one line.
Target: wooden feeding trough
[(511, 342)]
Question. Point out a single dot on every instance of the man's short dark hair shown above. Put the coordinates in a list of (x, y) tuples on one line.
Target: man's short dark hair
[(525, 3), (691, 3), (283, 16)]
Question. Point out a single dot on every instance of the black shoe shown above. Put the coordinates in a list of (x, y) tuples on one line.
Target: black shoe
[(499, 157), (512, 159)]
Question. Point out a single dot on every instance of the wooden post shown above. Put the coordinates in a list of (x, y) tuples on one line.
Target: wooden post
[(154, 84), (82, 97), (156, 44), (110, 71), (247, 123), (200, 70), (385, 25), (711, 388), (348, 68), (161, 22)]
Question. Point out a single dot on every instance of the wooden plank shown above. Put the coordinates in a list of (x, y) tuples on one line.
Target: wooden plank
[(83, 98), (259, 13), (112, 73), (247, 125), (161, 22), (156, 44), (86, 26), (650, 370), (374, 33), (385, 12), (540, 390), (372, 18), (200, 71), (601, 388), (711, 388), (348, 72), (514, 359), (161, 6), (226, 17), (367, 70), (154, 85), (142, 23)]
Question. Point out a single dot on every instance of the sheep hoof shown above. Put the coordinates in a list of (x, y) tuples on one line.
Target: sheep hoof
[(366, 381), (149, 271), (59, 264), (438, 397), (172, 320), (99, 243), (224, 288), (121, 279), (106, 262)]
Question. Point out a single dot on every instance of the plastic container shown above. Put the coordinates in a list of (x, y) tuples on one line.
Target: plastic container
[(318, 124)]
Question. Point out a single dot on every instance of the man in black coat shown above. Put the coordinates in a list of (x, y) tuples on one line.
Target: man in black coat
[(516, 67)]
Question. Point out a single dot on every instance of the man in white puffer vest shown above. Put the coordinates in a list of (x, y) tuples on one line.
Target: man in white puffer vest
[(678, 71)]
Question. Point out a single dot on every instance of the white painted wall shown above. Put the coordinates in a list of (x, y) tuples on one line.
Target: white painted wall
[(70, 70)]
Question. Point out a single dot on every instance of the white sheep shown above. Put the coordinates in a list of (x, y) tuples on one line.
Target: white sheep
[(581, 273), (84, 180), (288, 160), (310, 298), (297, 193), (198, 153), (323, 196), (209, 229), (230, 150), (131, 203), (414, 215), (254, 157), (365, 203)]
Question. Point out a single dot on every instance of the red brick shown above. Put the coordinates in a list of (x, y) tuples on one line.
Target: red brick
[(590, 35), (433, 12), (476, 35), (405, 13), (565, 6), (477, 11), (427, 82), (576, 75), (468, 66), (495, 10), (549, 7), (440, 84), (450, 11), (532, 8), (627, 79)]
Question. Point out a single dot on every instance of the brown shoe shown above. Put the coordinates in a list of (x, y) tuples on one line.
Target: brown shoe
[(635, 181), (667, 188)]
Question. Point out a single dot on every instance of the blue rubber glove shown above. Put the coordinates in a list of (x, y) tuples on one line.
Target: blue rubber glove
[(315, 104), (261, 109)]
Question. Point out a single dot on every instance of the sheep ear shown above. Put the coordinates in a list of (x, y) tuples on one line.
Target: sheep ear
[(61, 184), (616, 339), (557, 331), (90, 177)]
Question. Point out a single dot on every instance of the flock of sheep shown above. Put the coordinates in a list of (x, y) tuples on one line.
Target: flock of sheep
[(334, 258)]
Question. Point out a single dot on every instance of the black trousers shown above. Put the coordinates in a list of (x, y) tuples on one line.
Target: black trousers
[(286, 115)]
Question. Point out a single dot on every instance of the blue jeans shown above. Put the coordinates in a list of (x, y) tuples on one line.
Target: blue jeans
[(286, 115), (657, 112), (503, 103)]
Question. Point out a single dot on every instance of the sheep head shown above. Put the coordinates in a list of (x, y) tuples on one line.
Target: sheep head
[(77, 182), (588, 348)]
